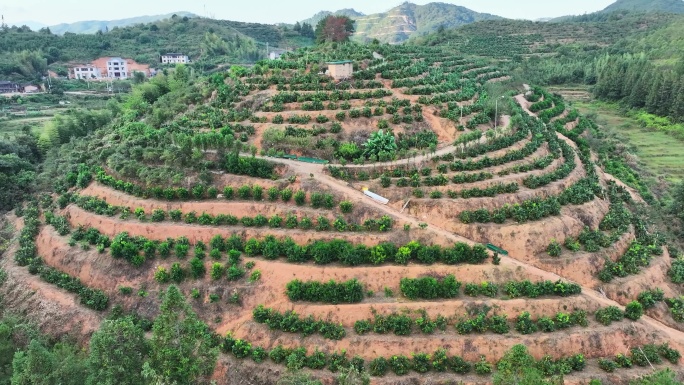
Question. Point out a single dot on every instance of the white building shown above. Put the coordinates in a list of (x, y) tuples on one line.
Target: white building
[(276, 53), (87, 72), (117, 68), (175, 58)]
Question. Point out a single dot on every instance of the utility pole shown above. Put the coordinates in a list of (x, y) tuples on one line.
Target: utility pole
[(496, 113), (268, 56)]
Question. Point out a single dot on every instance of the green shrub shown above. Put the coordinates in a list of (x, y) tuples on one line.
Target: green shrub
[(234, 273), (378, 367), (161, 275), (330, 292), (346, 207), (524, 324), (676, 271), (554, 249), (650, 298), (217, 270), (400, 365), (197, 269), (421, 362), (286, 195), (609, 314), (607, 365), (634, 310), (300, 198), (483, 367)]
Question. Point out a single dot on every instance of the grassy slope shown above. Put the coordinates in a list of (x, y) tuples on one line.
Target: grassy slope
[(659, 152)]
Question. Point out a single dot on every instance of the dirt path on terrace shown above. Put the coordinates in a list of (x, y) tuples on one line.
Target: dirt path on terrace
[(161, 231), (238, 208), (55, 311)]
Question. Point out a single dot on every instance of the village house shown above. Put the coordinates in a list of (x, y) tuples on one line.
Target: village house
[(174, 58), (7, 87), (109, 68), (340, 70), (86, 72), (276, 53)]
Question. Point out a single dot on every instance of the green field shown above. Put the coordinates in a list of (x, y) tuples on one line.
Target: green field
[(660, 153), (10, 128)]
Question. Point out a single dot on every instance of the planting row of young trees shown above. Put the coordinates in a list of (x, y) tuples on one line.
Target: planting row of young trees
[(561, 172), (535, 164), (643, 356), (291, 322), (201, 192), (329, 292), (449, 287), (400, 324), (637, 257), (334, 96), (318, 252), (537, 208), (290, 221), (27, 255), (347, 173)]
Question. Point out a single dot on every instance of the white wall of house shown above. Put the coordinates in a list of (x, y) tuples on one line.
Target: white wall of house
[(117, 68), (87, 72), (175, 59)]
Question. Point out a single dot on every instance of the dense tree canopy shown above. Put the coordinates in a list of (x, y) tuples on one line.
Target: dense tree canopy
[(117, 353), (334, 29), (181, 347)]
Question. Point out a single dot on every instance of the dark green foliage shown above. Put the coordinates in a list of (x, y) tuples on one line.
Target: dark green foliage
[(634, 310), (291, 323), (181, 345), (609, 314), (676, 306), (400, 365), (430, 288), (330, 292), (676, 272), (378, 367), (259, 168), (524, 324), (607, 365), (117, 352), (650, 298), (544, 288), (483, 367), (554, 249)]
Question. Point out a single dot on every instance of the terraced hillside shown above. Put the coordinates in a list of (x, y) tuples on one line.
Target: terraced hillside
[(251, 201)]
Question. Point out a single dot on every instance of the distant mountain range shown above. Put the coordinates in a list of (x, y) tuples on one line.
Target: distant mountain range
[(406, 20), (92, 26), (393, 26)]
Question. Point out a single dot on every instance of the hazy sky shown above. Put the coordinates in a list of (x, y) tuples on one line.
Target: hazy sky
[(265, 11)]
